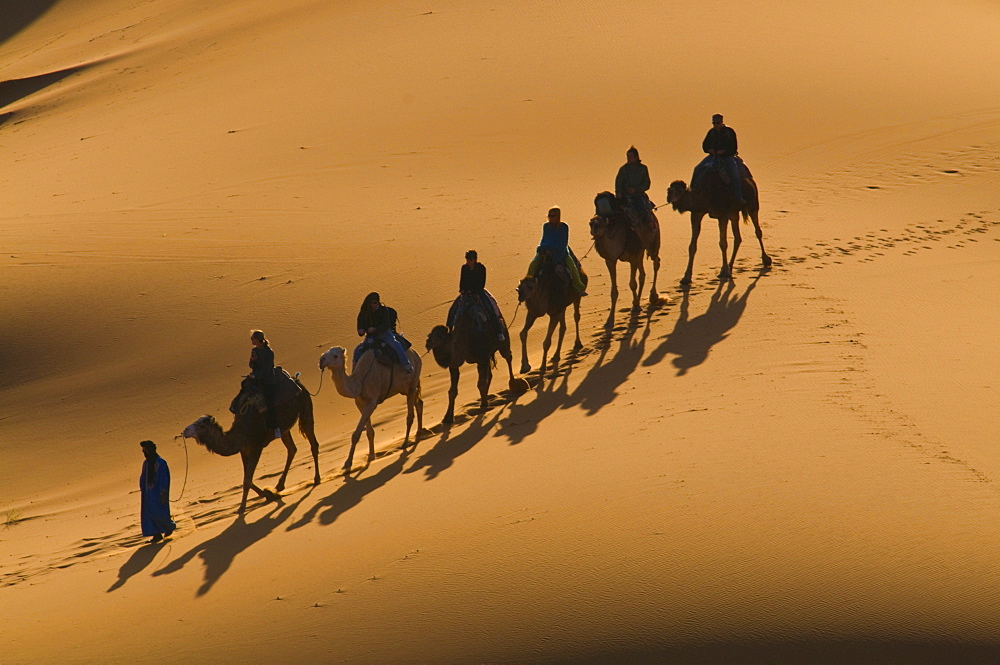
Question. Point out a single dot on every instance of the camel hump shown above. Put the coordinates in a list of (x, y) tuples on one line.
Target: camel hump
[(606, 204), (287, 388)]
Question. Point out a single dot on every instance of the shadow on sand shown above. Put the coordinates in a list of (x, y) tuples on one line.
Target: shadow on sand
[(691, 340), (599, 387), (19, 14), (448, 448), (351, 493), (219, 552), (140, 559)]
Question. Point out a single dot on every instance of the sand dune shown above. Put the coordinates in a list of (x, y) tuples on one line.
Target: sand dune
[(795, 466)]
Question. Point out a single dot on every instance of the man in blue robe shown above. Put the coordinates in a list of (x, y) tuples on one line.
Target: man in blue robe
[(154, 488)]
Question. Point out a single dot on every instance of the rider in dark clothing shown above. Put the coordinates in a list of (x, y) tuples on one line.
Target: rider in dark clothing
[(631, 185), (472, 282), (262, 373), (720, 144), (377, 321)]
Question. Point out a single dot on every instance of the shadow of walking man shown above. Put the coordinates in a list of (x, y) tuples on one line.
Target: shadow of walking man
[(692, 339)]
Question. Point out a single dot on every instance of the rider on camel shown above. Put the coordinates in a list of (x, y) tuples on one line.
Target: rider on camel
[(262, 374), (631, 185), (378, 322), (472, 283), (721, 146), (555, 239)]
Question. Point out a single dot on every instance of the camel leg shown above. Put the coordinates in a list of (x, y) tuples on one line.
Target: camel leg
[(737, 240), (755, 218), (577, 345), (724, 273), (449, 416), (286, 438), (485, 379), (654, 297), (637, 267), (693, 247), (529, 320), (418, 405), (250, 458), (314, 449), (409, 419), (366, 408), (547, 343), (613, 271)]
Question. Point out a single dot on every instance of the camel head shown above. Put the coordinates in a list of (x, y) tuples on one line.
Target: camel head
[(200, 428), (333, 358), (676, 193), (526, 288), (438, 337), (598, 225)]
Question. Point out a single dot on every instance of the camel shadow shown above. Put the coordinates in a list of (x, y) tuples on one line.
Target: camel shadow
[(448, 448), (599, 387), (692, 339), (350, 494), (218, 553), (140, 559), (523, 419)]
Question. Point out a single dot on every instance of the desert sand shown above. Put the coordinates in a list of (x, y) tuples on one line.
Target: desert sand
[(795, 466)]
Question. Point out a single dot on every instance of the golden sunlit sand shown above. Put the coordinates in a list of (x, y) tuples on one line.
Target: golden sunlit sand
[(795, 466)]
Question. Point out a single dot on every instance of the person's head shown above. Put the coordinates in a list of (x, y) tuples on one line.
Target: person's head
[(373, 300), (471, 257), (257, 338), (632, 155), (717, 120), (148, 448), (555, 215)]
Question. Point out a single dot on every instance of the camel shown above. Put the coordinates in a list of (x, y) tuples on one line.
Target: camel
[(615, 239), (249, 435), (370, 383), (715, 199), (546, 294), (467, 344)]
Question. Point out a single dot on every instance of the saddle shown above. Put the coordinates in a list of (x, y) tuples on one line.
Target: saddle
[(383, 353), (250, 396)]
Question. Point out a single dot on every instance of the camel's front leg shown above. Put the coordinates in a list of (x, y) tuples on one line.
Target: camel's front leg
[(366, 408), (250, 458), (613, 271), (693, 247), (654, 255), (449, 416), (529, 320), (286, 438)]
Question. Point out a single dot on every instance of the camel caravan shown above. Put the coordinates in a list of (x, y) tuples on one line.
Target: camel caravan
[(624, 228)]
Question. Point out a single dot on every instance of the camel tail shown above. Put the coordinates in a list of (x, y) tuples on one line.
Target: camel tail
[(746, 217)]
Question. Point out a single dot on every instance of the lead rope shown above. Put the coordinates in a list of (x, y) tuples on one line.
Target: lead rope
[(184, 486)]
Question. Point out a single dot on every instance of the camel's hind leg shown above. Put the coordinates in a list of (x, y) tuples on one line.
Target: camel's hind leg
[(755, 218), (613, 271), (636, 268), (577, 344), (529, 320), (654, 254), (449, 416), (485, 379), (286, 438), (734, 223)]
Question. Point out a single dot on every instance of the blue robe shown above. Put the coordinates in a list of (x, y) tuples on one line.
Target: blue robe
[(155, 514)]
